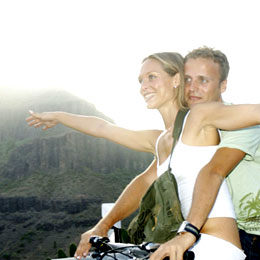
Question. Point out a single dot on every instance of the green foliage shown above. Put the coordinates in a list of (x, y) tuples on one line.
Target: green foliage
[(5, 148), (72, 250), (7, 256), (11, 256), (61, 254), (28, 236)]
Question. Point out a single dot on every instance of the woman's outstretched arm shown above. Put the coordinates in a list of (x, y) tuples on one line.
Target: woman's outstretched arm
[(138, 140)]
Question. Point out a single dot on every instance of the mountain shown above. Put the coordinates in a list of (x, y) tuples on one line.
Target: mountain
[(53, 182)]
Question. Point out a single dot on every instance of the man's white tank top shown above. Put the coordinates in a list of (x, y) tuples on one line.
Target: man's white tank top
[(186, 163)]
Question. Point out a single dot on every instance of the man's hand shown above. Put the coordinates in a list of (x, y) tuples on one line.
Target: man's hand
[(174, 248), (47, 120), (84, 244)]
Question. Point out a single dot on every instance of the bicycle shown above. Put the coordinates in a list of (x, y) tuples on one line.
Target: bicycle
[(103, 249)]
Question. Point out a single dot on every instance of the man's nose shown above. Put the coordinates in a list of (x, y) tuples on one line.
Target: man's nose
[(193, 85)]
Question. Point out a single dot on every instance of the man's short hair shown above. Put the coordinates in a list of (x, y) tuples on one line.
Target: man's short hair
[(215, 55)]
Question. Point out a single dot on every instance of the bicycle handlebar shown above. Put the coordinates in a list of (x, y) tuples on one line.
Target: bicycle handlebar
[(103, 247)]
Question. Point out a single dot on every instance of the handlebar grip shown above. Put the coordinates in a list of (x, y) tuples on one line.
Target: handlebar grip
[(100, 243), (96, 240), (188, 255)]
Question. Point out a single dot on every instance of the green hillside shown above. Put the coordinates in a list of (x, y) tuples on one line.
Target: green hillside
[(53, 182)]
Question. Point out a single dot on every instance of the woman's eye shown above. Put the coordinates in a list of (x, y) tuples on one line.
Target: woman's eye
[(151, 77)]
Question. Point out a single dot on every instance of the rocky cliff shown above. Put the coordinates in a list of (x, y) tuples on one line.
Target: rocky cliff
[(53, 182)]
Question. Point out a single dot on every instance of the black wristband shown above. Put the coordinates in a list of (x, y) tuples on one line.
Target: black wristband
[(188, 227), (193, 230)]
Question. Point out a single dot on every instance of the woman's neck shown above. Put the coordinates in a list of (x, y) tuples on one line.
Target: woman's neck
[(169, 114)]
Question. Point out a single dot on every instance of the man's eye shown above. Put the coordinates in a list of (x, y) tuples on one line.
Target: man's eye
[(187, 80), (204, 81)]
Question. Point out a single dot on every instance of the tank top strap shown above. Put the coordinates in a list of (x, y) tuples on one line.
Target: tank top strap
[(184, 122), (157, 146)]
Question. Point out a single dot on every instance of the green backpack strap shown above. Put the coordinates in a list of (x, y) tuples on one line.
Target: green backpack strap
[(178, 124)]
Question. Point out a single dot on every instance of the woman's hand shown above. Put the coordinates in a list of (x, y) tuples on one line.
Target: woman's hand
[(84, 244), (46, 120), (174, 248)]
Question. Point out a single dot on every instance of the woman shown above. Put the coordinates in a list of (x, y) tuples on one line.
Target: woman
[(162, 86)]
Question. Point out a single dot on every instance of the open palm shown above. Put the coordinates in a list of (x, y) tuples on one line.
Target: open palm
[(45, 120)]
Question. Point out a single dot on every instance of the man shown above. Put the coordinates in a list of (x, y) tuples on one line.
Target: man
[(236, 147), (206, 78), (206, 74)]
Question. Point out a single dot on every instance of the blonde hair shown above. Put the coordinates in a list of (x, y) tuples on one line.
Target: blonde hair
[(172, 63)]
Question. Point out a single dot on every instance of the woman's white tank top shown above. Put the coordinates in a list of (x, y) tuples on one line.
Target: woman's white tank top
[(186, 163)]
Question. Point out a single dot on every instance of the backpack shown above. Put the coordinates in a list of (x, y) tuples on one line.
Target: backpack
[(159, 215)]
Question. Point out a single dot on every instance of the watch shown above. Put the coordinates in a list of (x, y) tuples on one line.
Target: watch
[(186, 226)]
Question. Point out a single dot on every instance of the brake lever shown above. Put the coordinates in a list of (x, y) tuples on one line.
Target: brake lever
[(149, 246)]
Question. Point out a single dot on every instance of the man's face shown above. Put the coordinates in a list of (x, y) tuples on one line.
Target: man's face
[(202, 78)]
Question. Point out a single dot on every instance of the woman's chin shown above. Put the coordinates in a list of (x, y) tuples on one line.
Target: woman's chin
[(150, 106)]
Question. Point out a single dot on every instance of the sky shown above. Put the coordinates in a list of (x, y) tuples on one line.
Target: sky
[(94, 48)]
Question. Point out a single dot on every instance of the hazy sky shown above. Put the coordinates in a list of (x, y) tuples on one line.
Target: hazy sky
[(94, 48)]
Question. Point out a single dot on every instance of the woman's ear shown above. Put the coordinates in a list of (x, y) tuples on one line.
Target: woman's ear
[(176, 80)]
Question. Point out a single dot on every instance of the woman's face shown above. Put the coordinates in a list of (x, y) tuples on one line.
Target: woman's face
[(157, 86)]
